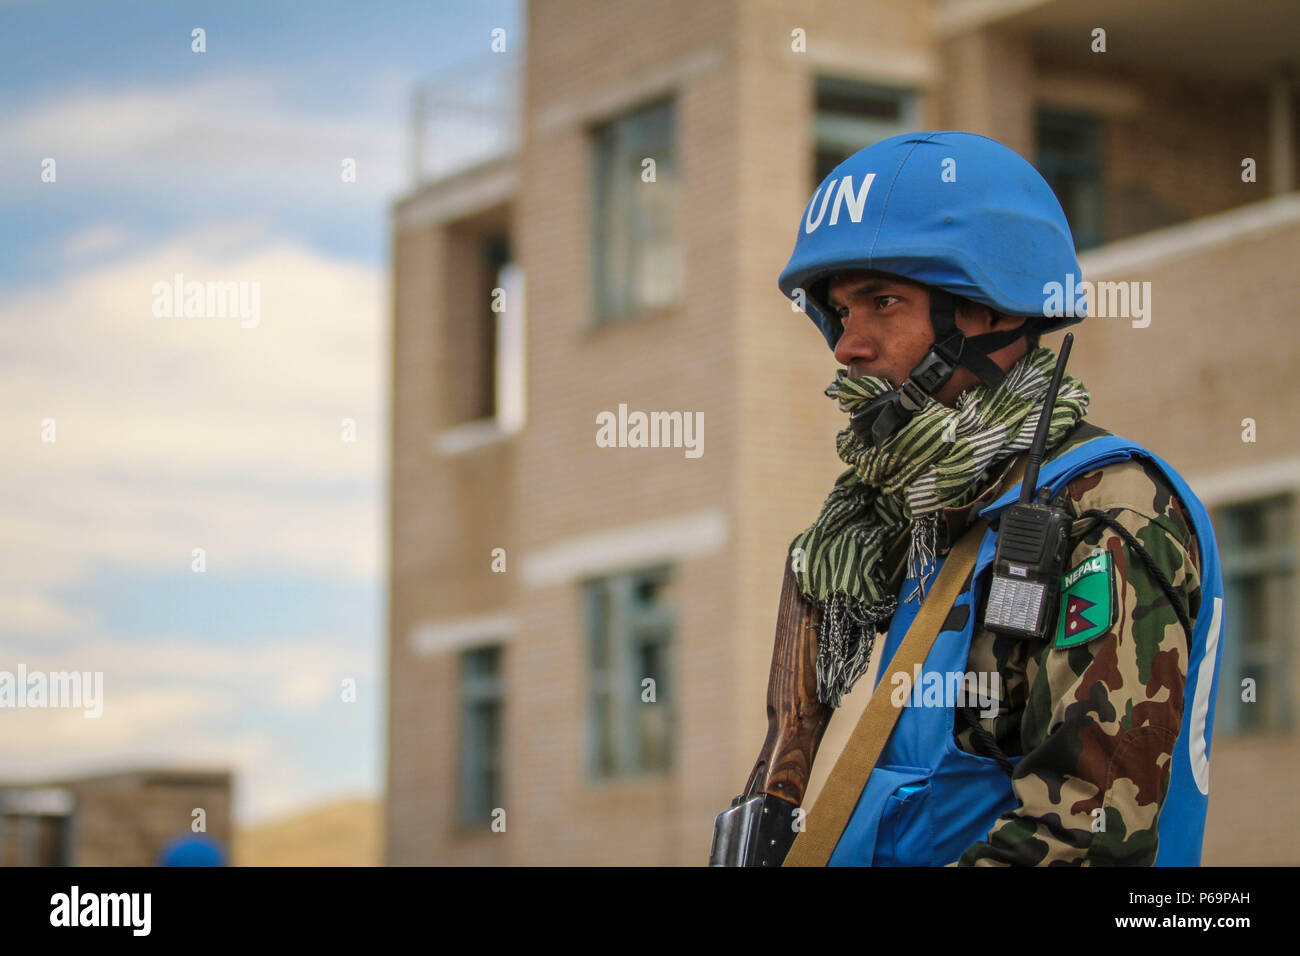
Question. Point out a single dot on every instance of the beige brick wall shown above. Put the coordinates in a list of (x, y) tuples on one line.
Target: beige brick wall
[(1180, 158), (680, 359), (126, 819), (1172, 147), (1219, 349), (734, 350), (446, 516), (1252, 818), (988, 87)]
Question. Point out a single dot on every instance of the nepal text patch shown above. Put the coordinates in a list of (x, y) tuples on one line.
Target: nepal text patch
[(1087, 600)]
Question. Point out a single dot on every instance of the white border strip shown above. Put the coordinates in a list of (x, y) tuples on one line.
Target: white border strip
[(1198, 748), (439, 637), (620, 549)]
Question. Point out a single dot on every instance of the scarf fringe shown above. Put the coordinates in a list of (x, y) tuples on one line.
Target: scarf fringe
[(846, 637), (920, 558)]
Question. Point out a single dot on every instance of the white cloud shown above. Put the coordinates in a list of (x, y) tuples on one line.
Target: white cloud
[(245, 134), (167, 704), (36, 737), (175, 434), (182, 433), (38, 613), (94, 240)]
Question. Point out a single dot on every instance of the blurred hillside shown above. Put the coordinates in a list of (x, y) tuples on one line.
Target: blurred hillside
[(347, 833)]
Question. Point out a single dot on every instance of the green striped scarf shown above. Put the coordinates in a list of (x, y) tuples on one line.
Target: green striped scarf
[(936, 461)]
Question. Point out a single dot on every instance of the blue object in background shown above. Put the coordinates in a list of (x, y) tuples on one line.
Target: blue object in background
[(192, 850)]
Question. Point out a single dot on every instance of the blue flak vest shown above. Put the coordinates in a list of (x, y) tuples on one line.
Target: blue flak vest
[(927, 800)]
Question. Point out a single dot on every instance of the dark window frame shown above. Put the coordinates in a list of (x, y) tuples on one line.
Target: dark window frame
[(617, 299), (1256, 566), (882, 110), (1065, 166), (629, 629), (480, 685)]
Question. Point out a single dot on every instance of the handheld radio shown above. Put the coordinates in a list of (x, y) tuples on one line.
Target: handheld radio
[(1032, 545)]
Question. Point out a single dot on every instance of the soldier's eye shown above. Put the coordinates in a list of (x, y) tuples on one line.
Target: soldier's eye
[(880, 301)]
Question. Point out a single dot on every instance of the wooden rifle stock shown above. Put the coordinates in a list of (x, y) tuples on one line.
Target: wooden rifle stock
[(796, 718), (758, 828)]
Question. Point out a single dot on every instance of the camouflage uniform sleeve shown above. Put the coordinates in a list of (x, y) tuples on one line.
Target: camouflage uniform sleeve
[(1097, 722)]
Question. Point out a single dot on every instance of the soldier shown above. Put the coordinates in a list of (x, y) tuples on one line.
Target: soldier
[(927, 261)]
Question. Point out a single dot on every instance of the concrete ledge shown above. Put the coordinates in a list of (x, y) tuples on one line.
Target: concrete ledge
[(1277, 477), (440, 637), (1185, 239), (462, 194), (466, 438), (625, 548)]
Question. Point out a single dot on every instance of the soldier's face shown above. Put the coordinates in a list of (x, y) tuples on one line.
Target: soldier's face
[(885, 323), (887, 331)]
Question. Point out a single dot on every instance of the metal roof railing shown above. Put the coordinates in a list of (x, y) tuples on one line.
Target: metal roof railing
[(465, 115)]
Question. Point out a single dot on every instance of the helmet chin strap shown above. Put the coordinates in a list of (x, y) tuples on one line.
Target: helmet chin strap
[(886, 414)]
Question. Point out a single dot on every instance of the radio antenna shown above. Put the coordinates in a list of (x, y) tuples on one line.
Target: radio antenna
[(1039, 445)]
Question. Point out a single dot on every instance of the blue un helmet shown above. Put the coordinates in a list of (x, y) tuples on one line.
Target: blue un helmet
[(954, 211)]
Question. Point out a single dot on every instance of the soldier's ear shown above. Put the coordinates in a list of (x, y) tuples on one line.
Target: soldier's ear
[(998, 320), (980, 316)]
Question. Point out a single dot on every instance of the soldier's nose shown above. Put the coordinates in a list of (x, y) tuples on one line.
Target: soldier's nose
[(855, 345)]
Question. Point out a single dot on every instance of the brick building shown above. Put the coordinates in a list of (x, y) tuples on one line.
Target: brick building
[(538, 579), (114, 819)]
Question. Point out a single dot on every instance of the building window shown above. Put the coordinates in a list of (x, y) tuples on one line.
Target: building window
[(475, 262), (482, 365), (850, 115), (1069, 157), (495, 253), (629, 638), (636, 237), (482, 699), (37, 827), (1257, 552)]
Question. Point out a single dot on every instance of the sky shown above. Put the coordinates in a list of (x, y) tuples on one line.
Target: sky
[(193, 499)]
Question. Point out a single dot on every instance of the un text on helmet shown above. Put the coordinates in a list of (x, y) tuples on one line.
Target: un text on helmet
[(846, 198)]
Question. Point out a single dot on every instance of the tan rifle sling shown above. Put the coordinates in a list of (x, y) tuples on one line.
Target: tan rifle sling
[(826, 821)]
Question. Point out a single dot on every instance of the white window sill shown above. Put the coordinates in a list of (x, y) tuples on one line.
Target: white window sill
[(472, 435)]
